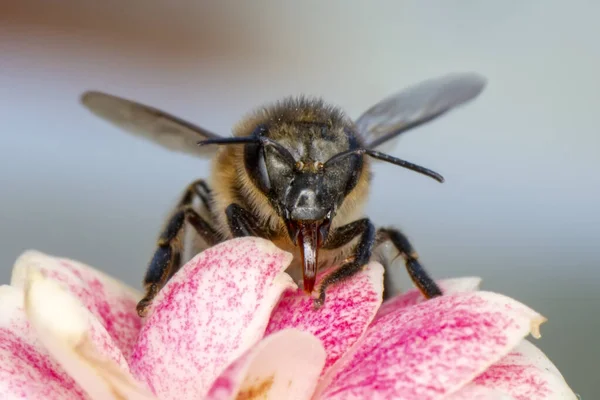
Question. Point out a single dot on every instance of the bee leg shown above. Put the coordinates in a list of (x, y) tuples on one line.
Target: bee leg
[(362, 253), (200, 189), (418, 274), (166, 258), (241, 222)]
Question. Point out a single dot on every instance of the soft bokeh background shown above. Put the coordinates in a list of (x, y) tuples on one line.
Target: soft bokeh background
[(520, 205)]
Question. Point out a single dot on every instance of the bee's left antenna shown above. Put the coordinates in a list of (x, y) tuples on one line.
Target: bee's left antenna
[(387, 158)]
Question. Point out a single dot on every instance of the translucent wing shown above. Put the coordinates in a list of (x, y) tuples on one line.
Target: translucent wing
[(417, 105), (150, 123)]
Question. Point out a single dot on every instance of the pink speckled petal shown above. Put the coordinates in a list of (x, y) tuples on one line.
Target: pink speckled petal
[(348, 310), (432, 349), (112, 302), (473, 392), (524, 374), (27, 371), (32, 264), (213, 310), (62, 326), (284, 365), (414, 296)]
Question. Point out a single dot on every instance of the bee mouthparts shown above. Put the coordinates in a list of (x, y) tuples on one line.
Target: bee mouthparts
[(308, 235)]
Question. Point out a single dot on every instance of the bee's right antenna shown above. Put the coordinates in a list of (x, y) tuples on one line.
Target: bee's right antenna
[(229, 140), (265, 141)]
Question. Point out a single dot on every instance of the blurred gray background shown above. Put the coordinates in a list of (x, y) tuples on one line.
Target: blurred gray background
[(520, 204)]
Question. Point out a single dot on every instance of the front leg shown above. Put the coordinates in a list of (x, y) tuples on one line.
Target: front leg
[(362, 252), (165, 262), (167, 257), (418, 274), (243, 223)]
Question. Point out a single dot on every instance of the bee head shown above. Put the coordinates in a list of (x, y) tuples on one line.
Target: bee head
[(290, 164), (306, 158)]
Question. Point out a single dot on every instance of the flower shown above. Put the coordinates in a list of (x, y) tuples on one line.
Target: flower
[(231, 324)]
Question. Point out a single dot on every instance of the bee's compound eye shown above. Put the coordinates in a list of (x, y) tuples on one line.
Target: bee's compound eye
[(319, 166), (299, 165), (263, 174)]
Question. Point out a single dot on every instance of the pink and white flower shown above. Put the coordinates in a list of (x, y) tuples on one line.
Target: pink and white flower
[(231, 324)]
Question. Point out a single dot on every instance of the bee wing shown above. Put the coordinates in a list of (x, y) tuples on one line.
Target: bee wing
[(150, 123), (417, 105)]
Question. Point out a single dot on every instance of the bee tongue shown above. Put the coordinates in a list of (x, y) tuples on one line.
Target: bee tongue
[(308, 234)]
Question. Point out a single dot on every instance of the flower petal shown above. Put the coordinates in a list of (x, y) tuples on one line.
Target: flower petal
[(526, 373), (473, 392), (209, 313), (111, 301), (348, 310), (62, 325), (284, 365), (431, 349), (33, 264), (414, 296), (27, 370)]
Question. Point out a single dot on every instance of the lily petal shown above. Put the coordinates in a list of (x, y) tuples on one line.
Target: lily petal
[(110, 301), (34, 264), (284, 365), (62, 325), (525, 374), (474, 392), (213, 310), (348, 310), (432, 349), (27, 370), (414, 296)]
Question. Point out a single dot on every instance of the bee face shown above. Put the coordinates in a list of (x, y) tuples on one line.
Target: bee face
[(299, 180)]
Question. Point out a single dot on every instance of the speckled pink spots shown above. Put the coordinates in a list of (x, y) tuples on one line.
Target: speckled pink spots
[(230, 324), (431, 349), (348, 310), (68, 342), (27, 371), (111, 302), (524, 374), (213, 310), (273, 369), (414, 296)]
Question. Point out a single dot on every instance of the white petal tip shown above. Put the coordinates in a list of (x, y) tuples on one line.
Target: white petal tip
[(47, 302), (285, 280), (535, 326)]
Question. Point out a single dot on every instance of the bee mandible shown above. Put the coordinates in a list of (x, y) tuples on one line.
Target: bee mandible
[(296, 172)]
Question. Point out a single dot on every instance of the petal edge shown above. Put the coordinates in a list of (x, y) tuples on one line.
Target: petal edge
[(348, 310), (110, 301), (62, 326), (525, 373), (274, 369), (431, 349), (27, 370), (227, 294)]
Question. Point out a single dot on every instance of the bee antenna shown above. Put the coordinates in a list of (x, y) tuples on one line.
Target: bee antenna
[(229, 140), (265, 141), (387, 158)]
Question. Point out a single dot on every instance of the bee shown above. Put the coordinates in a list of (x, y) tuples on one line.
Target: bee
[(296, 172)]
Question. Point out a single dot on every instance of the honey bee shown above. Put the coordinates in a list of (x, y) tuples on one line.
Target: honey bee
[(296, 172)]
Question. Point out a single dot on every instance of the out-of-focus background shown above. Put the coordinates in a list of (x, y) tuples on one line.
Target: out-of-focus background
[(520, 206)]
